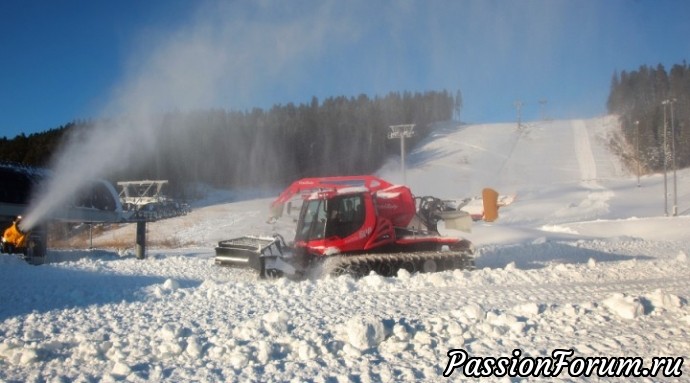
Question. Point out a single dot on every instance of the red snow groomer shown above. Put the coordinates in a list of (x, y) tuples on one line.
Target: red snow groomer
[(355, 225)]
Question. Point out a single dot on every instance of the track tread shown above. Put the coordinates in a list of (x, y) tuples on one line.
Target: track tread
[(388, 264)]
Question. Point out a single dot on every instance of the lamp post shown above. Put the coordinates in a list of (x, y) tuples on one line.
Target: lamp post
[(664, 103), (637, 150), (670, 102), (401, 131), (673, 161)]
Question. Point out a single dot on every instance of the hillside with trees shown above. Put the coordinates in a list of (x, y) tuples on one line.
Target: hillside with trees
[(35, 149), (253, 148), (654, 110)]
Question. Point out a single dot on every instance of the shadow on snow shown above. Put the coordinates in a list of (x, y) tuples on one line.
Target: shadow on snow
[(26, 288)]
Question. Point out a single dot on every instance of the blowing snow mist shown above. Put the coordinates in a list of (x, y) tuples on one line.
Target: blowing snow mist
[(216, 60)]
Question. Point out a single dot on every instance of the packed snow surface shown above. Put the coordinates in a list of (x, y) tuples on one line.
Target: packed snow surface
[(582, 260)]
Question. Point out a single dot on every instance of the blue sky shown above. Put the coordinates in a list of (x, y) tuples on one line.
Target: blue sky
[(70, 60)]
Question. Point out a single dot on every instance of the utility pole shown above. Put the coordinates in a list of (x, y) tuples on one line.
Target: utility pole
[(518, 107), (401, 131)]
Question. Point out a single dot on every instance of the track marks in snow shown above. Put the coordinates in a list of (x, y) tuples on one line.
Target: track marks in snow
[(235, 329), (595, 202), (457, 291), (583, 151)]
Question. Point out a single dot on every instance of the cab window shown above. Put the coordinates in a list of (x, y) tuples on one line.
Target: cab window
[(345, 215)]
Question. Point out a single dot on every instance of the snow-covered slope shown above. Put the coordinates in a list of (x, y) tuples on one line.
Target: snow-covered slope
[(584, 259)]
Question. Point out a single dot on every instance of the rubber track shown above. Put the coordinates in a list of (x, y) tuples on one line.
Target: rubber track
[(388, 264)]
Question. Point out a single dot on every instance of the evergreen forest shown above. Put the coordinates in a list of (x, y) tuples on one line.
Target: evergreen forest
[(349, 135), (654, 109), (257, 148)]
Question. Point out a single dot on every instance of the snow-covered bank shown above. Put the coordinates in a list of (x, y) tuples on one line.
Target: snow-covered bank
[(583, 259)]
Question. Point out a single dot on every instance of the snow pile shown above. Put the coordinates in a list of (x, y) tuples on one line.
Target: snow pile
[(629, 307), (663, 300), (364, 333), (583, 259), (624, 306)]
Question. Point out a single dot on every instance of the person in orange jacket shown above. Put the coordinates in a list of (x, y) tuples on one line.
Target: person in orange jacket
[(14, 239)]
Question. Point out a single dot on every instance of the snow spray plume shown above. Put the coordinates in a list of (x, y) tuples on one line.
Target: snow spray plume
[(227, 53), (104, 148)]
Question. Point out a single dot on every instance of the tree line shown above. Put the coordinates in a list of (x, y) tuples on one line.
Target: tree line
[(35, 149), (654, 110), (257, 147)]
